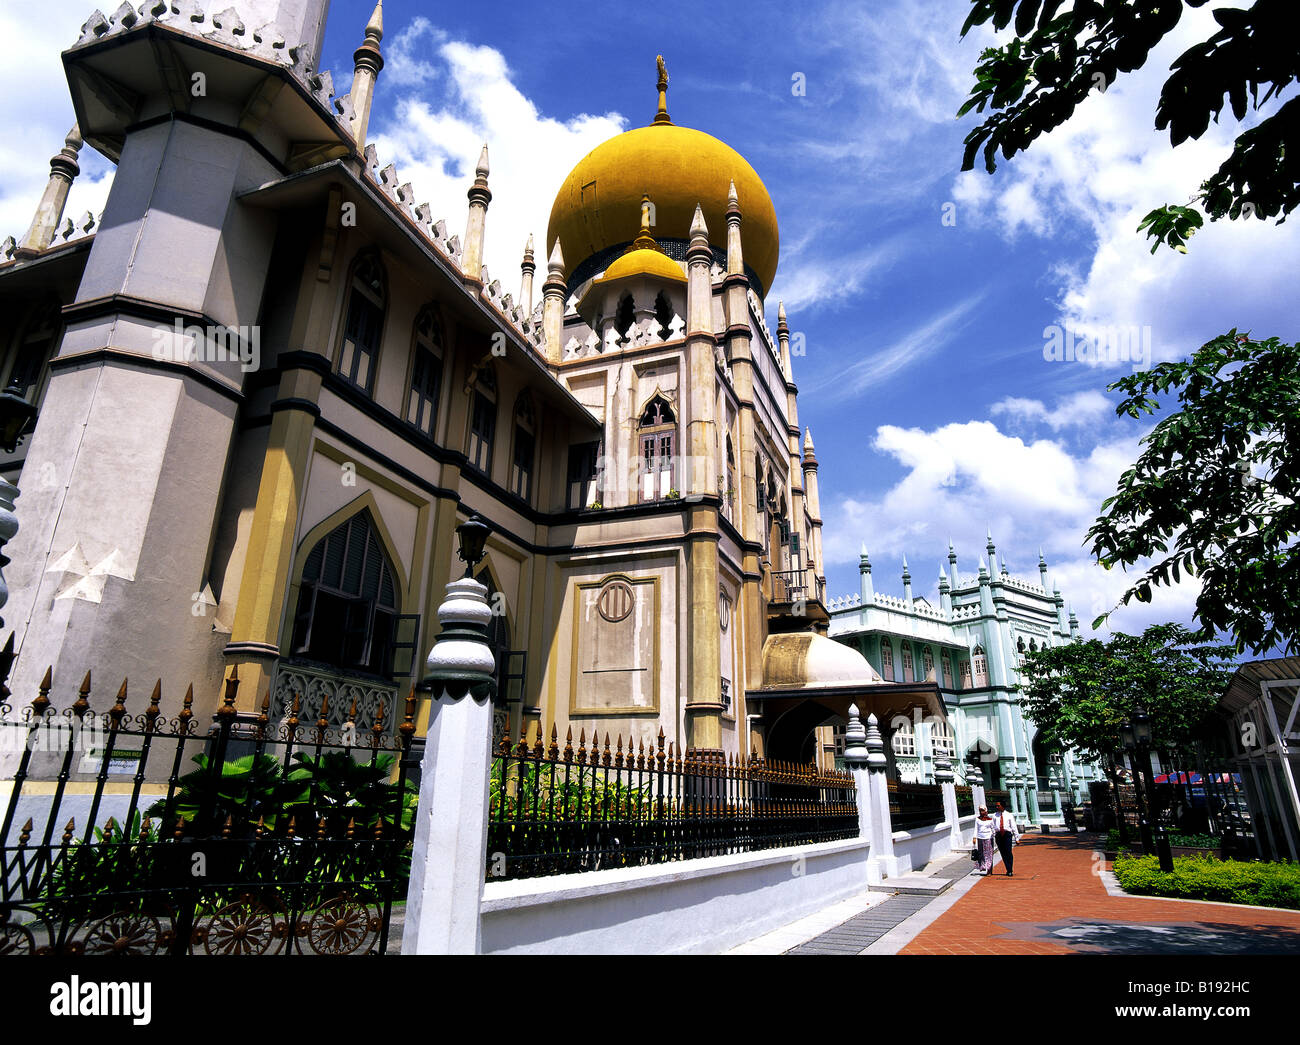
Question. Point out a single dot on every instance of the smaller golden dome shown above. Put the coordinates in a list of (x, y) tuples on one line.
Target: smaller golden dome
[(644, 262)]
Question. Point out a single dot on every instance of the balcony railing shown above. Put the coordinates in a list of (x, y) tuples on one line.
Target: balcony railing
[(798, 585)]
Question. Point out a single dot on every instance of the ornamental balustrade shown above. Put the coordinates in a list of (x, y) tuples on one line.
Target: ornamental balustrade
[(344, 696)]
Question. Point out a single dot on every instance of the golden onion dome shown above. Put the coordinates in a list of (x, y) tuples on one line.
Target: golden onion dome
[(645, 261), (595, 214)]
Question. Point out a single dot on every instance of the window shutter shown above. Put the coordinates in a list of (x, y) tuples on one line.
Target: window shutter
[(405, 646)]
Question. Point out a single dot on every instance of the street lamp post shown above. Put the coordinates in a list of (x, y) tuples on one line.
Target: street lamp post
[(1137, 740)]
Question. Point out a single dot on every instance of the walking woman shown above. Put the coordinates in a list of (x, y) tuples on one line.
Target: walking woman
[(984, 842)]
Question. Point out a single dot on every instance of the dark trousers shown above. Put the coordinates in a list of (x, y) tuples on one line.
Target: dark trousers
[(1003, 838)]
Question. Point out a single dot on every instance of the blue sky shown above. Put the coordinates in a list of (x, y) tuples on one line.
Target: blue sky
[(932, 407)]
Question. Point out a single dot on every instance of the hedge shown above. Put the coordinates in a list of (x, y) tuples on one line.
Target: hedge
[(1190, 841), (1207, 878)]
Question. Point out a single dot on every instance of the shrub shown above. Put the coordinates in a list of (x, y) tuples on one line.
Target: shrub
[(1207, 878)]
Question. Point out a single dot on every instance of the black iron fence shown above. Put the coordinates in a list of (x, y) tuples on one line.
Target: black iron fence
[(247, 838), (558, 811), (913, 806)]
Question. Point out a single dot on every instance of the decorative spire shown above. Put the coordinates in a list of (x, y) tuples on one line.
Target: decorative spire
[(479, 197), (526, 268), (698, 228), (855, 738), (807, 442), (662, 115), (943, 578), (645, 241), (49, 212), (863, 558), (366, 62), (732, 199), (553, 294), (780, 316)]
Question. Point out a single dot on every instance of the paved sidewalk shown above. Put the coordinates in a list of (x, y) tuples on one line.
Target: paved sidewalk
[(1057, 903)]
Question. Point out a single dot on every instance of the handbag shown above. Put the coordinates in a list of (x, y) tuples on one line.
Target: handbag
[(975, 853)]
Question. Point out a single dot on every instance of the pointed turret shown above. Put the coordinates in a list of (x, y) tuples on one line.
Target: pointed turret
[(783, 341), (867, 588), (480, 196), (526, 269), (553, 294), (367, 62), (1042, 570), (699, 287), (991, 548), (735, 257), (907, 582), (49, 212), (945, 591), (952, 564)]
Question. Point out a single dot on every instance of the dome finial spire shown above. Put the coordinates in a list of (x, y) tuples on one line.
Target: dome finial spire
[(662, 115)]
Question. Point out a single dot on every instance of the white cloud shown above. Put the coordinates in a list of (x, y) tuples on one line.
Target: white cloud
[(878, 367), (1079, 410), (436, 144), (961, 478), (1104, 169), (31, 77)]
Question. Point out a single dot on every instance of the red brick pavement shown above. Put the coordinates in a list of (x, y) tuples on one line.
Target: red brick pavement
[(1055, 882)]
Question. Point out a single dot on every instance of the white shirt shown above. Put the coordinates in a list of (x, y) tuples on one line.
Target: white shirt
[(984, 828), (1006, 821)]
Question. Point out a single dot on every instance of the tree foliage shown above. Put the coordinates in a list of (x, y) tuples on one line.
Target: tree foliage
[(1215, 492), (1080, 693), (1063, 52)]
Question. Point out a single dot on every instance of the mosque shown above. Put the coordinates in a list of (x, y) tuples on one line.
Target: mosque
[(268, 383)]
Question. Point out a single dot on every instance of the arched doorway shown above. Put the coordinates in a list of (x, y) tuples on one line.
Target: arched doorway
[(985, 756)]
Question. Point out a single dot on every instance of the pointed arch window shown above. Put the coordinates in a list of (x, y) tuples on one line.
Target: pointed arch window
[(946, 664), (426, 372), (965, 674), (657, 431), (886, 660), (483, 423), (625, 316), (364, 323), (347, 610), (909, 669), (980, 667), (521, 468), (927, 662), (942, 741)]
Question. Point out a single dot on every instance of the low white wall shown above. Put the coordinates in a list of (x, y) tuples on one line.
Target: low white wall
[(915, 849), (691, 906)]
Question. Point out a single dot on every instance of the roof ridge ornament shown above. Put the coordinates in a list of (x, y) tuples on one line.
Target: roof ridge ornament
[(662, 115)]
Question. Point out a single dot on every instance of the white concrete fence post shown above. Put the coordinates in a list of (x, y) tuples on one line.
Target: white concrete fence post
[(449, 860), (944, 777), (976, 778), (855, 758), (882, 828)]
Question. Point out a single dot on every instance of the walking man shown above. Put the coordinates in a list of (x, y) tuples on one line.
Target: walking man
[(1006, 834)]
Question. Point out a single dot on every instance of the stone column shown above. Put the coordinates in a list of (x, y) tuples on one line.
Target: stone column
[(471, 258), (449, 859), (882, 829), (49, 212)]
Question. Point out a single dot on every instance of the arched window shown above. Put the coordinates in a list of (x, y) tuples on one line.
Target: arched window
[(347, 602), (980, 666), (927, 662), (946, 664), (886, 660), (729, 494), (625, 316), (909, 671), (34, 350), (965, 674), (663, 315), (904, 738), (483, 422), (942, 741), (658, 434), (426, 372), (365, 322), (521, 468)]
